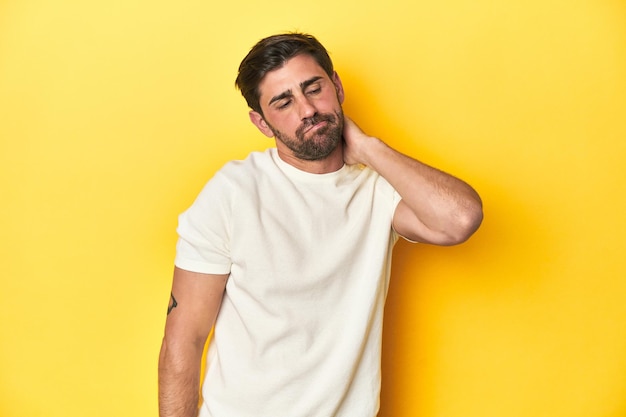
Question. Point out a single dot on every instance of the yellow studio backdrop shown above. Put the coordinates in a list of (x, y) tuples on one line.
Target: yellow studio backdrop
[(113, 114)]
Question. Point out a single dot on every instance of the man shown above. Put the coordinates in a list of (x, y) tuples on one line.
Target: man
[(288, 252)]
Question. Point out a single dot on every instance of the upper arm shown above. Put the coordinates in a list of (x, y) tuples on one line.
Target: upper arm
[(454, 229), (408, 225), (194, 305)]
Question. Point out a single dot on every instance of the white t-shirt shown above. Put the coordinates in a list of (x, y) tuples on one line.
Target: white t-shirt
[(309, 256)]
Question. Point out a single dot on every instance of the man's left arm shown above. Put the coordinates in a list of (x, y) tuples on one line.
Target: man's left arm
[(436, 207)]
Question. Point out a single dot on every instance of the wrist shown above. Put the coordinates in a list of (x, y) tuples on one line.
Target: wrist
[(370, 150)]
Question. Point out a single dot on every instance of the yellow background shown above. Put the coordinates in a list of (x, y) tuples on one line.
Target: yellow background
[(113, 114)]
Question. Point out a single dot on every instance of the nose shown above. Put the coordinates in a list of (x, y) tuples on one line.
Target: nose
[(306, 108)]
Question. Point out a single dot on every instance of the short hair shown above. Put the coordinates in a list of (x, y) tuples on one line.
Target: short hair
[(271, 53)]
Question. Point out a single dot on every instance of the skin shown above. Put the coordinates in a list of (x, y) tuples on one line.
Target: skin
[(436, 207), (187, 327), (287, 114)]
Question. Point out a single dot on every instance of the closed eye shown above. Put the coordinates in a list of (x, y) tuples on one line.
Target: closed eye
[(313, 91), (312, 86), (283, 104)]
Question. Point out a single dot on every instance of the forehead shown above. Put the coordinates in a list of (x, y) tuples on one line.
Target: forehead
[(289, 76)]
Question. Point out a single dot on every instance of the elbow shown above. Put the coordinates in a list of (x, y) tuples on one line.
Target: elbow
[(467, 223), (179, 356)]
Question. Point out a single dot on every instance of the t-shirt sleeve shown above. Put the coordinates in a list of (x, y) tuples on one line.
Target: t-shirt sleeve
[(203, 231), (394, 204)]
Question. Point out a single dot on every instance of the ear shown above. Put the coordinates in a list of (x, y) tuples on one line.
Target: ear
[(257, 119), (338, 87)]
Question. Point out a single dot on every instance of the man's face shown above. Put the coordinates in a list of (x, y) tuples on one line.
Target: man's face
[(301, 109)]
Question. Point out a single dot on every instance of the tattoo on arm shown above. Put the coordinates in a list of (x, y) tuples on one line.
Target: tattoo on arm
[(172, 305)]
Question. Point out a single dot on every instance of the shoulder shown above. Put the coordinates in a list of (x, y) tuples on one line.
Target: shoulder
[(255, 164), (237, 177), (234, 179)]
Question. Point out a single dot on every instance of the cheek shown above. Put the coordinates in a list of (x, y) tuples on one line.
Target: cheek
[(332, 101), (286, 122)]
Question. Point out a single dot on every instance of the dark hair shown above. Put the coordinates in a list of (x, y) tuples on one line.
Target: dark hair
[(271, 53)]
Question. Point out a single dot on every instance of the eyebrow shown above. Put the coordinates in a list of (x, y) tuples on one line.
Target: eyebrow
[(303, 85)]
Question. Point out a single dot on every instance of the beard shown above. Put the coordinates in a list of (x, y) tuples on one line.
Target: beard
[(320, 143)]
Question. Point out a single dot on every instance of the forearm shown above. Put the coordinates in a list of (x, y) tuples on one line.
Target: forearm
[(179, 380), (449, 208), (190, 317)]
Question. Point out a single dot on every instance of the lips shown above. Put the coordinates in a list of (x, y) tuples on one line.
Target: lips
[(314, 123), (316, 126)]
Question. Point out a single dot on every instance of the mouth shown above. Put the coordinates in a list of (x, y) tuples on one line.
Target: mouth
[(315, 126)]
